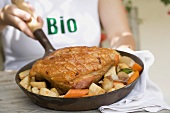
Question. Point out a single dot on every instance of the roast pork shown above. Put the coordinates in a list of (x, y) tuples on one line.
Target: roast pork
[(75, 67)]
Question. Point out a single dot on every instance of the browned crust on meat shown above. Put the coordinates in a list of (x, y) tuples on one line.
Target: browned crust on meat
[(67, 67)]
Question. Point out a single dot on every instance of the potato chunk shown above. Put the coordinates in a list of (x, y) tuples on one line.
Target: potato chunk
[(47, 92), (95, 90), (55, 91), (39, 85), (35, 90), (23, 74), (25, 82), (118, 85), (107, 84)]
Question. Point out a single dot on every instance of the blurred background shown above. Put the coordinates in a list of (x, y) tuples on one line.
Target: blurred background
[(152, 31), (150, 23)]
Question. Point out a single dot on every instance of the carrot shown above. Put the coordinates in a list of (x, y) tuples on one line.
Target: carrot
[(74, 93), (88, 95), (116, 59), (136, 67), (117, 82), (134, 76)]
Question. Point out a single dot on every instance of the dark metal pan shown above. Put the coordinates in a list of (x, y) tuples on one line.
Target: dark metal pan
[(71, 104), (84, 103)]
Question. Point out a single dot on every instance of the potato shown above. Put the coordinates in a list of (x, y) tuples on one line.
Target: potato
[(95, 90), (121, 66), (107, 84), (123, 76), (35, 90), (61, 96), (112, 89), (100, 82), (112, 73), (47, 92), (55, 91), (25, 82), (29, 88), (23, 74), (127, 60), (39, 85), (118, 85)]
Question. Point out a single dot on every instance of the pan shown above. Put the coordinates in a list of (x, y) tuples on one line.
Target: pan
[(71, 104), (84, 103)]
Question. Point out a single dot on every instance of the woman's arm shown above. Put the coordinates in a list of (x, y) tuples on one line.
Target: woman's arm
[(114, 21)]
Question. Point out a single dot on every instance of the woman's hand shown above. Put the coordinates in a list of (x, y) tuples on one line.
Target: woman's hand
[(126, 39), (13, 16)]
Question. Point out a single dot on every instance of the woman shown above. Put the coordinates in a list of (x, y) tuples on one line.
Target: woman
[(66, 23)]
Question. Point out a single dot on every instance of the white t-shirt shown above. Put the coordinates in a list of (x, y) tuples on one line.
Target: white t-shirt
[(66, 23)]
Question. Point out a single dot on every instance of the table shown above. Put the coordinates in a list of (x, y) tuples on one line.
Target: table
[(13, 99)]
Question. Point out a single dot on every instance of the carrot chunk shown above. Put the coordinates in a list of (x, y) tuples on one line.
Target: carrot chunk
[(134, 76), (116, 59), (75, 93), (136, 67)]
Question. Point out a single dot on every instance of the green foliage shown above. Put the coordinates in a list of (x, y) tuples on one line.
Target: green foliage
[(166, 2), (128, 5), (126, 70)]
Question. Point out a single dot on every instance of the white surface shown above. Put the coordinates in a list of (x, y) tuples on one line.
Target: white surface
[(155, 37)]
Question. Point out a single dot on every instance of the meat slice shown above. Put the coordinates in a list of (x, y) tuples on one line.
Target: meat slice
[(74, 67)]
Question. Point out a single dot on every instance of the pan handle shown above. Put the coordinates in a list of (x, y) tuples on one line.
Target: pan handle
[(35, 27), (40, 35)]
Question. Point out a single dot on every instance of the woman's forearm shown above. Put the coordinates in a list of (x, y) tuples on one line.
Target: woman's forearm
[(115, 23)]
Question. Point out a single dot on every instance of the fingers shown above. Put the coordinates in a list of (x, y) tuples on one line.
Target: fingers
[(23, 15), (18, 18), (22, 26), (30, 6), (38, 18), (10, 11)]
